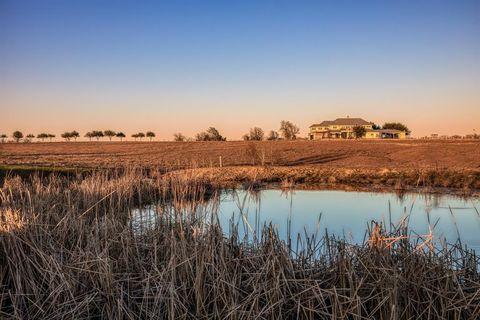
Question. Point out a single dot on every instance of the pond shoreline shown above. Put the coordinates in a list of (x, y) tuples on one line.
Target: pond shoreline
[(464, 183), (454, 182), (61, 231)]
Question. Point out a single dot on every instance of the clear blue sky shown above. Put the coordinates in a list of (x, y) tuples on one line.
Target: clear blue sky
[(186, 65)]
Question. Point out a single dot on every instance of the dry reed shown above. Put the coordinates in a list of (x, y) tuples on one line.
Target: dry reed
[(68, 251)]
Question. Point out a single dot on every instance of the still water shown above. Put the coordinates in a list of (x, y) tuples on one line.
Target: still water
[(341, 213)]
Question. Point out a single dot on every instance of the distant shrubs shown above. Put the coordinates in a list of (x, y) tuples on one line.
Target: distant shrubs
[(70, 135), (44, 136), (211, 134), (97, 134), (179, 137), (255, 134), (288, 130), (273, 135)]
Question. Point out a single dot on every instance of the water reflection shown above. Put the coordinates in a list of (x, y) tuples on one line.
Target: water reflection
[(342, 213)]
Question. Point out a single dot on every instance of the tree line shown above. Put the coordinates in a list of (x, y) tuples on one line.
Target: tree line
[(18, 136), (110, 134), (287, 131)]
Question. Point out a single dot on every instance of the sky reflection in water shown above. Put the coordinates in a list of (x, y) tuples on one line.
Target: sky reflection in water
[(345, 214)]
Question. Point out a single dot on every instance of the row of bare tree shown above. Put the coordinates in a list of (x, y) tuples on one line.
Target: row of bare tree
[(95, 134), (18, 136), (69, 135), (288, 131)]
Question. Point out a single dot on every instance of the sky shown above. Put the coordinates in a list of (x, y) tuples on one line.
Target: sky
[(182, 66)]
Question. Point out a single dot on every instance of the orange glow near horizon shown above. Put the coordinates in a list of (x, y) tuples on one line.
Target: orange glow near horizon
[(184, 67)]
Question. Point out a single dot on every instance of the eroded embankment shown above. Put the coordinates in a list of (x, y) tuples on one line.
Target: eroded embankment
[(467, 181)]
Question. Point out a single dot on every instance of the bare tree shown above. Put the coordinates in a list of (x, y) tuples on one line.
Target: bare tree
[(202, 136), (109, 133), (42, 136), (120, 135), (256, 134), (289, 130), (66, 136), (150, 135), (179, 137), (211, 134), (273, 135), (30, 137), (75, 135), (97, 134), (89, 135), (17, 135)]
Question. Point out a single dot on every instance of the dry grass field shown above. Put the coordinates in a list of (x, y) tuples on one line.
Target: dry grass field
[(414, 154), (69, 249)]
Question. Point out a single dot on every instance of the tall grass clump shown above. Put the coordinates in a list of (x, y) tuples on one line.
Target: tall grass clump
[(68, 251)]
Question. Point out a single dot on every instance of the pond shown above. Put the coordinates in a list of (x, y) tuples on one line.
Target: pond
[(345, 214)]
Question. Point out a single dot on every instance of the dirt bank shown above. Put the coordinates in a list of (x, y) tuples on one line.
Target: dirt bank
[(461, 181)]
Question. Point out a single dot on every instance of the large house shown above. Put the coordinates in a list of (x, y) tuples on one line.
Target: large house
[(343, 128)]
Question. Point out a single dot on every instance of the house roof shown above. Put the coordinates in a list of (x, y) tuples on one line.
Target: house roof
[(390, 131), (386, 131), (343, 122)]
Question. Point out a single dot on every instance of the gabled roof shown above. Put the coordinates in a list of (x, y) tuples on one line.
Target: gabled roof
[(385, 130), (390, 131), (324, 123), (343, 122)]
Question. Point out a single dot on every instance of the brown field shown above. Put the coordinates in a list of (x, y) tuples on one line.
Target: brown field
[(398, 164), (456, 155)]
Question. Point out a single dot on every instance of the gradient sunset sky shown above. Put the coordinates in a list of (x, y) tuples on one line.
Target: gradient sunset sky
[(182, 66)]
